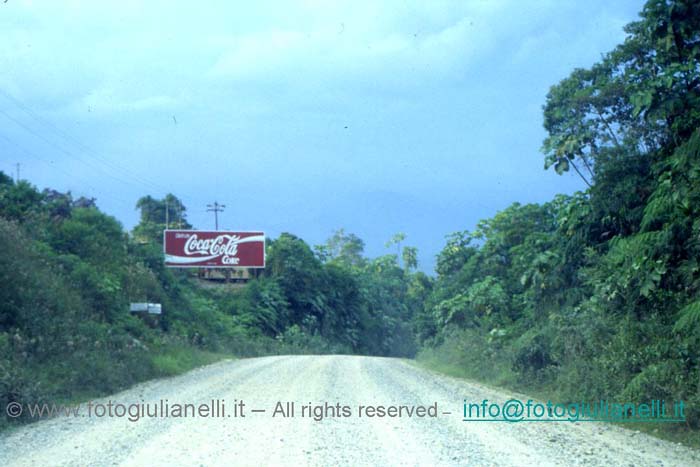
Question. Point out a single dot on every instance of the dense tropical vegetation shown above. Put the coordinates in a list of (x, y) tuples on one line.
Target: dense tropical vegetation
[(596, 294), (591, 295), (69, 273)]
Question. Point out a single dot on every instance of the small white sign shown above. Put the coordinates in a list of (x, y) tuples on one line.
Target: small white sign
[(150, 308)]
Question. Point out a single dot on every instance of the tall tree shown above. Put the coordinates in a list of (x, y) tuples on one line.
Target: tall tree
[(643, 96), (159, 214)]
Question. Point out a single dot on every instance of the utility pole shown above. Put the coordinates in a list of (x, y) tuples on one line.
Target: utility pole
[(17, 180), (216, 208), (167, 214)]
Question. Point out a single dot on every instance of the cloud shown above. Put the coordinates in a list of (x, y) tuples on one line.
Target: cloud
[(284, 102), (390, 46), (133, 55)]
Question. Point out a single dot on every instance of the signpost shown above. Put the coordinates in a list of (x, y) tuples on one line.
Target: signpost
[(213, 249)]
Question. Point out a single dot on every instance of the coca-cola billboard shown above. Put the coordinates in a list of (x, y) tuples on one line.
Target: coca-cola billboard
[(213, 249)]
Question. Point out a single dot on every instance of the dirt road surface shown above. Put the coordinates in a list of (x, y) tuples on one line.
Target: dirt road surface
[(260, 439)]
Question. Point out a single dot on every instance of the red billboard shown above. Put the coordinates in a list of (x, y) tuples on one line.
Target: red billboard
[(213, 249)]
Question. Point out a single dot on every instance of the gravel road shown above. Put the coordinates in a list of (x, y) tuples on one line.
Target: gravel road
[(260, 439)]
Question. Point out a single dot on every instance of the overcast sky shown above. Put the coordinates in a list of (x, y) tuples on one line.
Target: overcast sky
[(302, 117)]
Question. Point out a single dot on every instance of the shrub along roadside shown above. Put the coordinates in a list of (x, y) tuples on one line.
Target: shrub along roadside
[(450, 359)]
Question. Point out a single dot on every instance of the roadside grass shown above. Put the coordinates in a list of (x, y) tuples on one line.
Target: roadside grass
[(177, 360), (165, 361), (74, 379), (453, 362), (501, 378), (68, 381)]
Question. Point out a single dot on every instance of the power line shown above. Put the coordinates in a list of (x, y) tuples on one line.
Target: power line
[(66, 136), (62, 150), (93, 162), (69, 175), (132, 180)]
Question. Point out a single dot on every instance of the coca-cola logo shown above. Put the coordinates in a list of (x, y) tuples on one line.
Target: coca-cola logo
[(225, 246)]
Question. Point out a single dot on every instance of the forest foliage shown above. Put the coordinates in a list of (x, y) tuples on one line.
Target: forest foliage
[(596, 294), (69, 272)]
